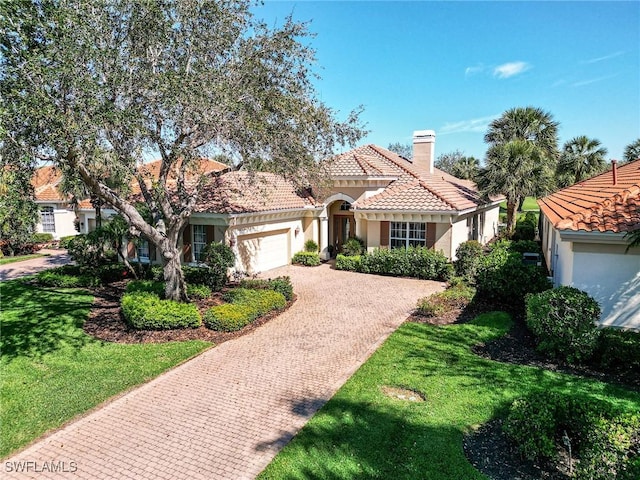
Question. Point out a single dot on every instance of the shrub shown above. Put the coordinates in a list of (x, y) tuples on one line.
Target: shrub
[(442, 302), (244, 307), (41, 237), (112, 272), (564, 323), (524, 246), (198, 291), (146, 311), (353, 246), (66, 278), (309, 259), (503, 277), (278, 284), (149, 286), (352, 264), (417, 262), (310, 246), (605, 439), (469, 255), (619, 349), (64, 241), (217, 258), (524, 231)]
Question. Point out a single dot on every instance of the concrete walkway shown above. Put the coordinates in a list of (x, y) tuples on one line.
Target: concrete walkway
[(226, 413), (54, 258)]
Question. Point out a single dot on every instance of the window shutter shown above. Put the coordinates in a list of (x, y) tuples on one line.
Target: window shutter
[(131, 250), (384, 234), (186, 244), (431, 235), (210, 232)]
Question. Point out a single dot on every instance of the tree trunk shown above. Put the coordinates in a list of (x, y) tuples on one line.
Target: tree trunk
[(511, 215), (175, 286)]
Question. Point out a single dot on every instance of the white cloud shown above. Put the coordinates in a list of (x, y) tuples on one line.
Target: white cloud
[(472, 125), (507, 70), (606, 57), (582, 83)]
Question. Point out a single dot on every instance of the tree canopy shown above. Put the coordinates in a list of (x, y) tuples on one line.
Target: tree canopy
[(521, 158), (632, 151), (403, 149), (581, 158), (94, 85)]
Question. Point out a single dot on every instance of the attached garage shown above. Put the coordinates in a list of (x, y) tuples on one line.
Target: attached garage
[(263, 251)]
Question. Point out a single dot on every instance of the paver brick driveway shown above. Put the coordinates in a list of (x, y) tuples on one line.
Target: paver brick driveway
[(226, 413)]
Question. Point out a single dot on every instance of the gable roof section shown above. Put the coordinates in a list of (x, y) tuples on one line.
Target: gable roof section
[(597, 204), (243, 192), (410, 188), (45, 182)]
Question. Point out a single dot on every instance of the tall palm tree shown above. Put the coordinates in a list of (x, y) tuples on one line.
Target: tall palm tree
[(466, 168), (632, 151), (522, 156), (581, 158)]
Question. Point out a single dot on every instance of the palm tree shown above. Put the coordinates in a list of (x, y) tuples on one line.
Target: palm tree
[(581, 158), (522, 155), (466, 168), (632, 151)]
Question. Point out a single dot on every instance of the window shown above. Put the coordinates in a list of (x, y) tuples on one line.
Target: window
[(143, 250), (345, 206), (48, 220), (199, 241), (408, 234)]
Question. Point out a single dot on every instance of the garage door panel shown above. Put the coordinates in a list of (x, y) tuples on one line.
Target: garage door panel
[(261, 252)]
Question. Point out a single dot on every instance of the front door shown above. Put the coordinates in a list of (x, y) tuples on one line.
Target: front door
[(344, 228)]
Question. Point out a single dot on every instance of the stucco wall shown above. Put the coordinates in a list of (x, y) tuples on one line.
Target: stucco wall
[(444, 238), (612, 278), (491, 220), (459, 234), (63, 218)]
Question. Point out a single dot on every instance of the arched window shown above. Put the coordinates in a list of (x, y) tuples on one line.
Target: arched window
[(345, 206)]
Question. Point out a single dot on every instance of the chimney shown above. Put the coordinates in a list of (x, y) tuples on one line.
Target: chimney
[(424, 143), (615, 171)]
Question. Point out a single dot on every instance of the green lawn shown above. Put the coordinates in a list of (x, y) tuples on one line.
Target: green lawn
[(530, 205), (20, 258), (362, 433), (52, 371)]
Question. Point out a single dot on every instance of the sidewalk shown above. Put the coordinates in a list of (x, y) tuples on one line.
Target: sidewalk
[(54, 258), (226, 413)]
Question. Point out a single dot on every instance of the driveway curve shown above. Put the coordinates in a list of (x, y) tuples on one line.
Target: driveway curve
[(226, 413), (52, 258)]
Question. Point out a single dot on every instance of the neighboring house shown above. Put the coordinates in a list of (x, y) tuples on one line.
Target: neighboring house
[(376, 195), (583, 231)]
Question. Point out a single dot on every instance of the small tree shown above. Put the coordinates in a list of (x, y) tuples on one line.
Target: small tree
[(18, 211)]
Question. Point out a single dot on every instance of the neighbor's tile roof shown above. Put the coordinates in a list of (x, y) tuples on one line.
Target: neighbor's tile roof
[(243, 192), (410, 188), (45, 182), (597, 204)]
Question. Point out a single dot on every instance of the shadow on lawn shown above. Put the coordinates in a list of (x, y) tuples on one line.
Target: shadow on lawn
[(37, 321), (364, 440)]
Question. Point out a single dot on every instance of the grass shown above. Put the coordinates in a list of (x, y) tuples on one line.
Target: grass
[(530, 205), (52, 371), (362, 433), (20, 258)]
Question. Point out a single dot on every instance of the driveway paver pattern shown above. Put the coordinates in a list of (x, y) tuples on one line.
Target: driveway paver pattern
[(226, 413)]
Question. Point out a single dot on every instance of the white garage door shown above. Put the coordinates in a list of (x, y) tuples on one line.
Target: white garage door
[(262, 252)]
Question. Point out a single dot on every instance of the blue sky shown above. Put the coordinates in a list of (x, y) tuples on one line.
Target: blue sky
[(454, 66)]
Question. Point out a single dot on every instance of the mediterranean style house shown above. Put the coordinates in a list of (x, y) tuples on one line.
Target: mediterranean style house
[(583, 230), (386, 200)]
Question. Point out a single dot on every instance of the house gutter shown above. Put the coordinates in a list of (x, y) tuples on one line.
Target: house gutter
[(583, 236)]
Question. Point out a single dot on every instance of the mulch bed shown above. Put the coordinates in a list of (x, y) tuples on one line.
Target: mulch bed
[(106, 322), (486, 447)]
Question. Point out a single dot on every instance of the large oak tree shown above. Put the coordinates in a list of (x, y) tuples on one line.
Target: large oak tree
[(92, 85)]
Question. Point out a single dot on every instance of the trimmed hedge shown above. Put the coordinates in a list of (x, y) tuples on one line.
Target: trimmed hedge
[(42, 237), (564, 321), (278, 284), (146, 311), (245, 305), (618, 349), (64, 241), (308, 259), (65, 277), (198, 291), (605, 439), (469, 256), (417, 262), (149, 286), (311, 246)]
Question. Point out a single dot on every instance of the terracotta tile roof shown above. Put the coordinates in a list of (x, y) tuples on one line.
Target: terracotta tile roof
[(152, 170), (243, 192), (410, 188), (597, 204), (45, 182)]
